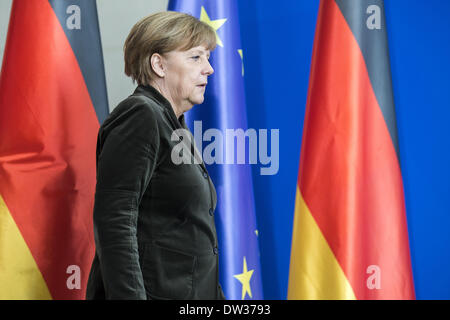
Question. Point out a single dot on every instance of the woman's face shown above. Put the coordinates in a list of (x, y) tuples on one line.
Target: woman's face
[(186, 75)]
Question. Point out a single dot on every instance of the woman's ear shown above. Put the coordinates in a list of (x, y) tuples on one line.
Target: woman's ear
[(157, 63)]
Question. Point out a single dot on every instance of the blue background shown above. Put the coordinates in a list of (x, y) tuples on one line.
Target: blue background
[(277, 39)]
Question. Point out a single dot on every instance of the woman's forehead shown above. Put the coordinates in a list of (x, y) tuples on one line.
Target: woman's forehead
[(200, 49), (179, 53)]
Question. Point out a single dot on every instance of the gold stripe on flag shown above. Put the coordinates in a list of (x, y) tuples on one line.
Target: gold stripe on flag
[(20, 278), (314, 272)]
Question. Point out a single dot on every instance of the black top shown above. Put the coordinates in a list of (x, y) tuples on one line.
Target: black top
[(153, 219)]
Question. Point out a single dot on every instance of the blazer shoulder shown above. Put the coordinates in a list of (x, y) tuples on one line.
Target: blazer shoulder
[(135, 109), (137, 103)]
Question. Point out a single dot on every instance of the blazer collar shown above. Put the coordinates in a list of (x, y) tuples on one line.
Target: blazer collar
[(151, 92), (154, 94)]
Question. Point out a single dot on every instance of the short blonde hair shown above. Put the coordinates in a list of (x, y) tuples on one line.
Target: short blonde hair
[(161, 33)]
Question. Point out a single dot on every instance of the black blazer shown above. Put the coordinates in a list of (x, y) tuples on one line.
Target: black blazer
[(153, 219)]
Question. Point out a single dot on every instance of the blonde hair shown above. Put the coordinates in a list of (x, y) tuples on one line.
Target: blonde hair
[(161, 33)]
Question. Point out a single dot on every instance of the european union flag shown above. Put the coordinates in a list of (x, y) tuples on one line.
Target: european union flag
[(224, 111)]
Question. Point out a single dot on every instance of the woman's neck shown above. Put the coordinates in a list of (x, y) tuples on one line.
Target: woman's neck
[(178, 110)]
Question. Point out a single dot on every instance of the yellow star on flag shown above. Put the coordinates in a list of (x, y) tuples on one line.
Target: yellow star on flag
[(242, 58), (244, 278), (215, 24)]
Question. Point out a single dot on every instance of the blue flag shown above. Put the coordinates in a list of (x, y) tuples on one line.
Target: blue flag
[(224, 111)]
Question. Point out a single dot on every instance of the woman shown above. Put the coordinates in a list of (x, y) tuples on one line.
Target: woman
[(153, 219)]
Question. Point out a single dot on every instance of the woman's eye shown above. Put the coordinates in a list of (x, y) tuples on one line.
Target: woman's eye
[(196, 57)]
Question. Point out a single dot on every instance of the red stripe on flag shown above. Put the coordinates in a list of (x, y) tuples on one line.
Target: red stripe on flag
[(48, 130), (349, 172)]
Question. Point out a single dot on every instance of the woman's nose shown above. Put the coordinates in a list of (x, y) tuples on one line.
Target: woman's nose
[(208, 69)]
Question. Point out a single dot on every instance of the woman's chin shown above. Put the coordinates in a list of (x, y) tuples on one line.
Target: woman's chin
[(197, 100)]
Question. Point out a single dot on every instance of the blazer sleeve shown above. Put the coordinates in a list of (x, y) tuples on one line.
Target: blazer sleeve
[(125, 164)]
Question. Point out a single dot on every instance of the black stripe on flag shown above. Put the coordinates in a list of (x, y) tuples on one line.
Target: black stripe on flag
[(367, 22), (79, 21)]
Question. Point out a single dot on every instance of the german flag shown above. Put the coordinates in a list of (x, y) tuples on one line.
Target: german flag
[(350, 238), (52, 101)]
